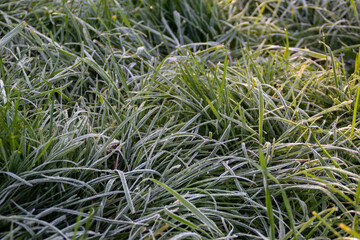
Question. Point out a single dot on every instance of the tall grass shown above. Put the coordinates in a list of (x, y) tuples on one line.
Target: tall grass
[(179, 119)]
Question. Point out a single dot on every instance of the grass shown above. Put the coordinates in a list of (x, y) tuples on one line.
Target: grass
[(179, 119)]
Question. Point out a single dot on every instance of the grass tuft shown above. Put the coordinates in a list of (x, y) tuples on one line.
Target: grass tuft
[(179, 119)]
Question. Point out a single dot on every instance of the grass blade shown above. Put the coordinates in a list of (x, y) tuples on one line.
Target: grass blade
[(126, 190), (9, 36), (208, 222)]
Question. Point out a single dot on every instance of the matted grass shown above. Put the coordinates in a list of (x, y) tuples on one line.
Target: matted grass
[(173, 119)]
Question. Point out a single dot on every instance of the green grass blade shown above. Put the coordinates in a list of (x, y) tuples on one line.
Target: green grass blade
[(208, 222), (126, 190), (9, 36)]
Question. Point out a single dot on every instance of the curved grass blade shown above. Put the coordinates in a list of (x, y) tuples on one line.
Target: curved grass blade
[(208, 222)]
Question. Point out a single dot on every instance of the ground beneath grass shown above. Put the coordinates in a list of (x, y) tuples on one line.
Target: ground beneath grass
[(179, 119)]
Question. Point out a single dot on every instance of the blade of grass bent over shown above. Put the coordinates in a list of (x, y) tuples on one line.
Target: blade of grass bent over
[(208, 222)]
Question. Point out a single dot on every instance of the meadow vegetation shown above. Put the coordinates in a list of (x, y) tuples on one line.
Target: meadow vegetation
[(179, 119)]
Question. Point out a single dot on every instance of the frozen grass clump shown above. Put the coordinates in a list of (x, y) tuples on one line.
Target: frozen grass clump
[(179, 119)]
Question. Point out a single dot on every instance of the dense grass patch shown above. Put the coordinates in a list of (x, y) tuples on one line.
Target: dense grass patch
[(170, 119)]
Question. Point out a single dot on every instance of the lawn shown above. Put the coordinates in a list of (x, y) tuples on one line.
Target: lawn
[(179, 119)]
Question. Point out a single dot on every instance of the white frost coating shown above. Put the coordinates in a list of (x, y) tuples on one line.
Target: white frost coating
[(142, 52), (2, 90)]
